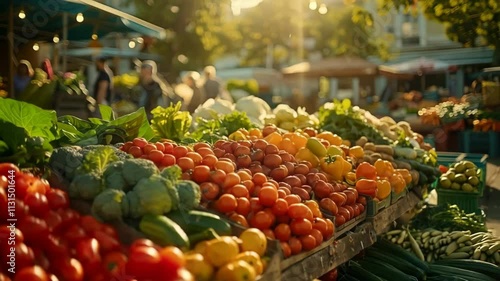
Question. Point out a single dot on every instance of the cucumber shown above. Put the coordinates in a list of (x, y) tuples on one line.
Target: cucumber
[(391, 249), (473, 265), (456, 271), (385, 270), (197, 221), (207, 234), (163, 231), (354, 269), (398, 263)]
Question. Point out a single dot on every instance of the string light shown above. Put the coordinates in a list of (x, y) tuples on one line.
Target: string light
[(313, 5), (22, 14), (79, 17), (131, 44), (140, 40), (56, 39), (94, 36), (36, 47), (322, 9)]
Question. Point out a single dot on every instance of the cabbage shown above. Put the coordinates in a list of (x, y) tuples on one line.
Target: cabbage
[(213, 107), (253, 106), (284, 113)]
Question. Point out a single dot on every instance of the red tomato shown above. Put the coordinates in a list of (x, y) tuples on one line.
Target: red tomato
[(68, 269), (107, 243), (28, 184), (68, 217), (32, 273), (280, 207), (89, 224), (262, 220), (126, 146), (171, 260), (7, 169), (143, 262), (201, 173), (308, 242), (285, 248), (185, 163), (282, 232), (38, 204), (301, 226), (74, 234), (4, 182), (148, 148), (114, 261), (87, 251), (33, 229), (57, 198), (4, 212), (226, 203), (299, 211), (24, 255), (141, 242), (135, 151), (168, 160), (109, 230), (54, 247), (179, 151), (295, 245), (318, 236), (243, 206), (53, 220)]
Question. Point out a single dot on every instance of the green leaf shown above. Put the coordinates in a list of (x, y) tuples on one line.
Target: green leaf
[(12, 135), (79, 124), (106, 112), (97, 160), (36, 121), (135, 124)]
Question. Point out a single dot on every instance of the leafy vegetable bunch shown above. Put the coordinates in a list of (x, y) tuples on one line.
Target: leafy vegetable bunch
[(170, 122), (344, 120), (221, 126), (448, 218)]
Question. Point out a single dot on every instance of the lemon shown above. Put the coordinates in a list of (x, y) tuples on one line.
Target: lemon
[(253, 239), (221, 251), (199, 267), (253, 259), (236, 271)]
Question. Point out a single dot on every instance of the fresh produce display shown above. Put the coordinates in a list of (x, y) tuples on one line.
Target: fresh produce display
[(50, 241), (446, 112), (463, 175), (221, 196)]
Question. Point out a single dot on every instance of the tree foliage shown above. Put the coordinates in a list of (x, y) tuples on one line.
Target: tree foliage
[(469, 22)]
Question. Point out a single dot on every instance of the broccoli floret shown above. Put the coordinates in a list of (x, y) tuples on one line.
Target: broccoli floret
[(172, 173), (110, 205), (151, 197), (189, 194), (65, 160), (136, 169), (113, 177), (85, 186), (122, 155)]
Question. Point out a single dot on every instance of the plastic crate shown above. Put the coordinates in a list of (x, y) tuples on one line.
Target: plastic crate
[(467, 201), (448, 158)]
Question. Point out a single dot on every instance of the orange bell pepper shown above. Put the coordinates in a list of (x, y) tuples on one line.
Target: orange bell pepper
[(398, 183), (333, 165), (384, 168), (406, 175), (305, 154), (347, 167), (366, 170), (383, 189), (350, 178), (367, 187)]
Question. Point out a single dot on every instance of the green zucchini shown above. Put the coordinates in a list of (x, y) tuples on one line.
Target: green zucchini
[(398, 263), (391, 249), (355, 269), (385, 270), (197, 221), (456, 271), (163, 231), (473, 265)]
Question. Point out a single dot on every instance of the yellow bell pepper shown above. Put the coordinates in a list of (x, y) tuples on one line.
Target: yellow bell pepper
[(383, 189), (406, 175), (305, 154), (333, 166), (357, 152), (350, 178), (335, 150), (384, 168), (237, 136), (347, 167)]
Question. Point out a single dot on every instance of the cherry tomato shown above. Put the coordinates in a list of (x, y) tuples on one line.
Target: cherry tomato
[(209, 191), (295, 245), (74, 234), (285, 248), (114, 261), (89, 224), (54, 247), (280, 207), (262, 220), (299, 211), (268, 196), (201, 174), (243, 206), (38, 203), (126, 146), (143, 262), (24, 255), (318, 236), (68, 269), (179, 151), (308, 242), (68, 217), (107, 243), (57, 198), (29, 184), (141, 242), (156, 156), (226, 203), (168, 160), (4, 182), (7, 169), (32, 273), (109, 230), (87, 251), (148, 148), (282, 232), (53, 220), (300, 226), (140, 142), (135, 151), (185, 163), (33, 229)]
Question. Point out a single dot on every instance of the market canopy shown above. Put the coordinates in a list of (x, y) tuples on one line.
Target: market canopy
[(333, 67), (44, 19), (416, 67)]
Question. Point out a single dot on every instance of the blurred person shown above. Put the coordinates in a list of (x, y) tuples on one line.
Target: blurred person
[(47, 68), (154, 91), (191, 93), (103, 86), (212, 87), (477, 85), (23, 76)]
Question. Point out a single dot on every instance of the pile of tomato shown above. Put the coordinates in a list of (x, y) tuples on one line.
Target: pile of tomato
[(45, 240)]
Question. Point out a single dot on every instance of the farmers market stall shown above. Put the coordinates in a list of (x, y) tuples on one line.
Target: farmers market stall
[(227, 194)]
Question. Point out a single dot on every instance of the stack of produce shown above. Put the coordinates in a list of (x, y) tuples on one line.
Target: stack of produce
[(289, 119), (446, 112), (463, 175), (386, 261)]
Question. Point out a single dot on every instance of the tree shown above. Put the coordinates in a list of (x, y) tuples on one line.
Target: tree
[(196, 29), (469, 22)]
